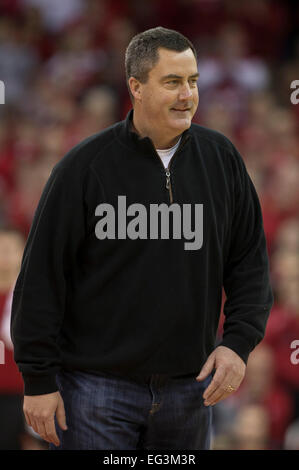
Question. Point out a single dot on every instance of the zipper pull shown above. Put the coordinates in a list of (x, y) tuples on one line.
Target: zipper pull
[(167, 179), (168, 185)]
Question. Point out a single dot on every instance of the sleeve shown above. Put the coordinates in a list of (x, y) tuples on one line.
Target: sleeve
[(40, 290), (246, 276)]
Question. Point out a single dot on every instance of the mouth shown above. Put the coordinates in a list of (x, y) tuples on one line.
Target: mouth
[(180, 110)]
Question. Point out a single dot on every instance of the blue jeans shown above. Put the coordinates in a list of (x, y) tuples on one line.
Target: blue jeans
[(108, 412)]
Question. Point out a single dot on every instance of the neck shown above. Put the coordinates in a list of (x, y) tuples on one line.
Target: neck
[(159, 140)]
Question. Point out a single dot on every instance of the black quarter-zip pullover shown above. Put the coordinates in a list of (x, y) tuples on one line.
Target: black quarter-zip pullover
[(109, 283)]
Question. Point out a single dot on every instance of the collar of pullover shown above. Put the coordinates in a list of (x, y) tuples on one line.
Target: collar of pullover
[(143, 144)]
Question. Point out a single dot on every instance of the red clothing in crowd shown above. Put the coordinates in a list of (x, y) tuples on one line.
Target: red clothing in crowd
[(282, 329), (10, 378)]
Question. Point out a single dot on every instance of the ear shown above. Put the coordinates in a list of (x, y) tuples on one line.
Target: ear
[(135, 87)]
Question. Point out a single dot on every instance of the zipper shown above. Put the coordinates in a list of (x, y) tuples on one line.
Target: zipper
[(167, 170), (168, 183), (167, 174)]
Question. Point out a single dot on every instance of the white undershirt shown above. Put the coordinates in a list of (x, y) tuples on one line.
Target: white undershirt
[(166, 154)]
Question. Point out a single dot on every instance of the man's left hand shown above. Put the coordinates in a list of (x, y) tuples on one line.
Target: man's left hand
[(230, 371)]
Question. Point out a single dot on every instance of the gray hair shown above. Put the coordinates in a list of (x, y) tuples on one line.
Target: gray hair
[(142, 52)]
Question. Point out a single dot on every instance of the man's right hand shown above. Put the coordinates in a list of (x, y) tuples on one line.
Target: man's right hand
[(39, 412)]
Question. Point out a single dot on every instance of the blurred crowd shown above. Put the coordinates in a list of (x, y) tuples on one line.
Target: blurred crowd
[(62, 63)]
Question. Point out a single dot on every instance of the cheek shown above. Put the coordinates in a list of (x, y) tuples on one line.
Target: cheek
[(195, 97), (162, 97), (151, 101), (159, 101)]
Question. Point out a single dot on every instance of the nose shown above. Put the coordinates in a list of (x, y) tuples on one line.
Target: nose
[(185, 92)]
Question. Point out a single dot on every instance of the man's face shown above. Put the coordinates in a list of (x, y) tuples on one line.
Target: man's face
[(169, 99)]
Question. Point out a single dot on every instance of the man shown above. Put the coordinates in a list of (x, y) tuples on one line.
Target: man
[(115, 310)]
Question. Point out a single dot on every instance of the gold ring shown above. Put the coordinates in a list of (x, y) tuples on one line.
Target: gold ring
[(230, 389)]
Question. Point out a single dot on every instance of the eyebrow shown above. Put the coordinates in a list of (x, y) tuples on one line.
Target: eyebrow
[(172, 75)]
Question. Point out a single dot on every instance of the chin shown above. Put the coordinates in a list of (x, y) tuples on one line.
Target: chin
[(180, 124)]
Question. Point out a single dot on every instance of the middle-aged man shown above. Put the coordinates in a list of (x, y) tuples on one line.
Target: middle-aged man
[(116, 307)]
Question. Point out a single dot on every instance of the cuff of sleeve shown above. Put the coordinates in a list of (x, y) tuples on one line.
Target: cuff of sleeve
[(39, 384), (239, 345)]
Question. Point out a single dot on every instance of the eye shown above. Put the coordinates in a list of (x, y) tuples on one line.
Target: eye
[(172, 82)]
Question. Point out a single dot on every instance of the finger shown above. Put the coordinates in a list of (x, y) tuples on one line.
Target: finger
[(206, 369), (41, 430), (27, 417), (34, 425), (51, 432), (222, 392), (216, 397), (60, 415), (216, 382), (221, 395)]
